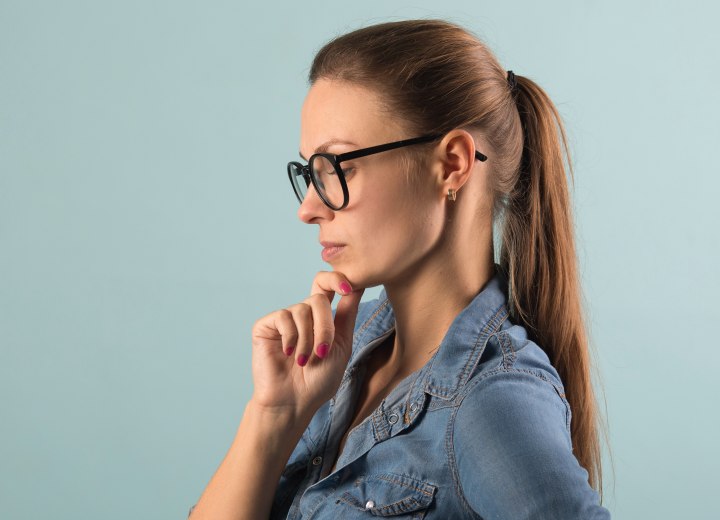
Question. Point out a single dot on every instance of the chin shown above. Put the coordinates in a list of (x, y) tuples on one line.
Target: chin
[(359, 279)]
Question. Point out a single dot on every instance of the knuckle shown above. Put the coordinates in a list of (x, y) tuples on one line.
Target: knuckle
[(316, 300), (304, 308), (261, 322), (302, 311), (285, 315)]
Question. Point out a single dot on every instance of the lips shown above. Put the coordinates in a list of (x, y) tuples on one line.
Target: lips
[(330, 244), (331, 250)]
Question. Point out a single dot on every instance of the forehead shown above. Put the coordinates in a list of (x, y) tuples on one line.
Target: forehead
[(338, 110)]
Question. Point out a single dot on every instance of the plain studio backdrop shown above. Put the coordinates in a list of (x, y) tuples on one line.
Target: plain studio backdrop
[(146, 222)]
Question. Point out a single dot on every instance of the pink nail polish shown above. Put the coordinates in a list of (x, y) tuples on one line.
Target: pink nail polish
[(345, 287), (322, 350), (302, 360), (289, 351)]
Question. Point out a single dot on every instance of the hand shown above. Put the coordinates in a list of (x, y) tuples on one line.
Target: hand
[(299, 354)]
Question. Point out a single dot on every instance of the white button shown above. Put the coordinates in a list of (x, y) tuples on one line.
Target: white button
[(317, 461), (393, 418), (370, 504), (413, 407)]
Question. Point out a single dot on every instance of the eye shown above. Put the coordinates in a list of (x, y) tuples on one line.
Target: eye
[(348, 170)]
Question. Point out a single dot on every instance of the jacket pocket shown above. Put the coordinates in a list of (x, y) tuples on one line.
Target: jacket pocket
[(390, 494)]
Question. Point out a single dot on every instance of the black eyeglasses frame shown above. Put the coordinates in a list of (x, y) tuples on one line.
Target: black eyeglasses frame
[(336, 159)]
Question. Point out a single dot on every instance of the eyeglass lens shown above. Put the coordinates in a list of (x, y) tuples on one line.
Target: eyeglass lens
[(326, 179)]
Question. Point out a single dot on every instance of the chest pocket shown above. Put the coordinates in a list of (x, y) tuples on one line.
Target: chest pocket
[(390, 494)]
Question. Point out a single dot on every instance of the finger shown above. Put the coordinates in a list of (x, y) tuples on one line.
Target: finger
[(345, 316), (302, 316), (329, 283), (277, 327), (285, 325), (323, 326)]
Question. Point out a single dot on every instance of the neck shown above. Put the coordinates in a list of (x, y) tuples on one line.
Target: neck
[(426, 303)]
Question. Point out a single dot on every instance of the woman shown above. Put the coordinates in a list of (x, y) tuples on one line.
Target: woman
[(463, 391)]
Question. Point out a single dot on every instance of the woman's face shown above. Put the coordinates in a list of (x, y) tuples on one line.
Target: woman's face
[(387, 229)]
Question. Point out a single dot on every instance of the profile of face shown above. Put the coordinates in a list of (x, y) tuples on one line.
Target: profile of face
[(389, 229)]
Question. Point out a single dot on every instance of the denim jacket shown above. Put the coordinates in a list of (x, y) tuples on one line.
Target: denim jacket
[(481, 431)]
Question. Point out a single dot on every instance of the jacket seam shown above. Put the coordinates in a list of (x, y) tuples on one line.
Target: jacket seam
[(449, 446), (508, 353), (492, 327), (366, 323)]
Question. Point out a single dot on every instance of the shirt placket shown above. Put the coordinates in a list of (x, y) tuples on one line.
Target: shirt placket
[(320, 483)]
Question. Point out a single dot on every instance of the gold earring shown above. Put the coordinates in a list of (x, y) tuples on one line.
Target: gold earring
[(451, 194)]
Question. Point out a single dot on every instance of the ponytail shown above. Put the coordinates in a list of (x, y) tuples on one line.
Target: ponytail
[(538, 255)]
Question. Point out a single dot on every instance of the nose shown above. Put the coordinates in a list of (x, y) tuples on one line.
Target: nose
[(313, 208)]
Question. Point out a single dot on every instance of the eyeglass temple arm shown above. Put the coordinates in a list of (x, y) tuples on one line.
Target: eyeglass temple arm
[(398, 144), (385, 147)]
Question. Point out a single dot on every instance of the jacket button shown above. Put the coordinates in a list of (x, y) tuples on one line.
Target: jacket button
[(370, 504), (317, 461), (413, 407), (393, 418)]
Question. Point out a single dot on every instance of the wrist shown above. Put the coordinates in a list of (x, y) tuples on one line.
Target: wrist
[(278, 413), (281, 419)]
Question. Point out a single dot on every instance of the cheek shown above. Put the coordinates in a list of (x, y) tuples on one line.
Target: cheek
[(399, 226), (393, 216)]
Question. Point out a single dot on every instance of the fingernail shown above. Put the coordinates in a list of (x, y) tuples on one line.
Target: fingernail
[(345, 287), (302, 360), (322, 350), (289, 351)]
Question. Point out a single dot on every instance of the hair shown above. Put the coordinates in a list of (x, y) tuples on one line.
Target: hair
[(437, 76)]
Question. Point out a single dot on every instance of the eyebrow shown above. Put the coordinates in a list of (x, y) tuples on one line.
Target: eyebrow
[(324, 147)]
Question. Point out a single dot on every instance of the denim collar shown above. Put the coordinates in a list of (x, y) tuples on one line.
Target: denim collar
[(463, 344), (441, 378)]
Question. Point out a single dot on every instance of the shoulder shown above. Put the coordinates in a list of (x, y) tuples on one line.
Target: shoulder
[(514, 378), (511, 445), (515, 401), (511, 347)]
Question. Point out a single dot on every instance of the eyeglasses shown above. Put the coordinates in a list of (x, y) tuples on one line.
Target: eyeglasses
[(324, 172)]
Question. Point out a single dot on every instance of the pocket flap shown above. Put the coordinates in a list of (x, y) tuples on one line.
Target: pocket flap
[(389, 494)]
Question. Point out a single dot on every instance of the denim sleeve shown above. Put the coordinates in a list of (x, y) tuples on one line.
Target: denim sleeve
[(513, 454)]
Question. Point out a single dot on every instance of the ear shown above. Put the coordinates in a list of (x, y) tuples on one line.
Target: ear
[(456, 159)]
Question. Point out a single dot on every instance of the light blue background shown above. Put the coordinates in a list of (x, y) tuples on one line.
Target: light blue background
[(146, 222)]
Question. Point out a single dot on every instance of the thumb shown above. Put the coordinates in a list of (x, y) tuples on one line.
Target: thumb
[(345, 315)]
